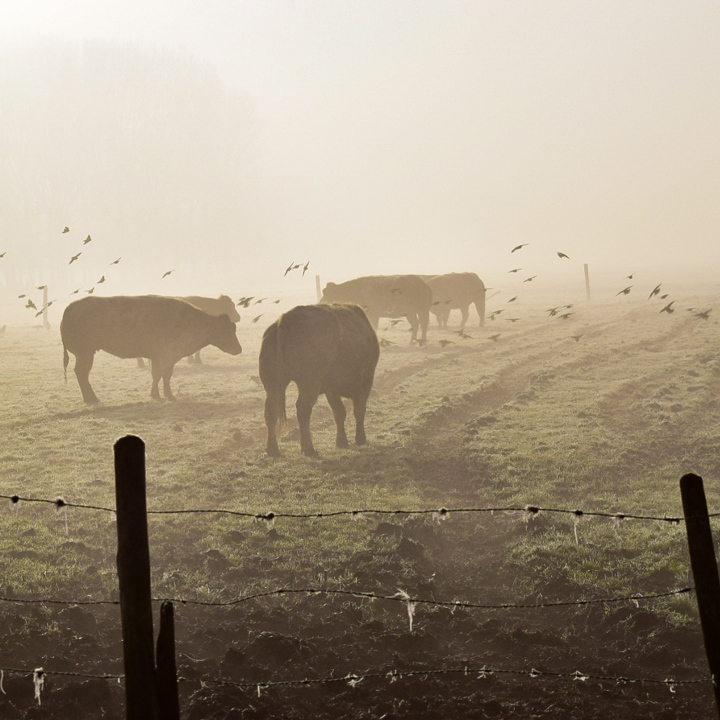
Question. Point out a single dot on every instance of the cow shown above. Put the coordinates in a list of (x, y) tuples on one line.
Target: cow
[(163, 329), (330, 349), (221, 305), (456, 291), (390, 296)]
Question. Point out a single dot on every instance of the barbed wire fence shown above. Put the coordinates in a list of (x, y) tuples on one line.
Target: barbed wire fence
[(145, 688)]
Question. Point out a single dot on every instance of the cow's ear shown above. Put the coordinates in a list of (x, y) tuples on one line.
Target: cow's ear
[(330, 285)]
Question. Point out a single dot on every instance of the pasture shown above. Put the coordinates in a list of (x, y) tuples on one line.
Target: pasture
[(608, 422)]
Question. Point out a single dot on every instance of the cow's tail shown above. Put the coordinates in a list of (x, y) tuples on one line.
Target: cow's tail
[(280, 385), (66, 360)]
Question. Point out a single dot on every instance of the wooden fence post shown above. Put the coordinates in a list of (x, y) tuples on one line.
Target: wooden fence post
[(317, 288), (133, 564), (587, 282), (166, 673), (705, 571)]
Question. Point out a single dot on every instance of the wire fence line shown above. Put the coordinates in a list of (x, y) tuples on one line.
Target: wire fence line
[(401, 597), (527, 511), (475, 672)]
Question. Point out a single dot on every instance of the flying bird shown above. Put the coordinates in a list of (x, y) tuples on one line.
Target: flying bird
[(553, 311), (22, 296), (90, 291), (169, 272), (530, 279), (290, 267), (665, 296), (245, 301), (115, 262), (31, 304), (101, 280), (382, 342), (41, 287), (305, 267), (494, 313), (75, 292), (464, 335), (512, 319), (444, 343), (514, 271), (513, 299), (257, 302), (630, 277), (87, 240), (563, 255), (74, 258), (66, 229), (255, 319), (565, 316), (669, 308), (2, 255), (395, 322), (656, 291), (624, 291), (704, 315), (275, 302), (495, 337), (518, 247)]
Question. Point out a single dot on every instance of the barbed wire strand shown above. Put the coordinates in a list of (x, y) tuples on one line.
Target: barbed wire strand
[(528, 510), (452, 604)]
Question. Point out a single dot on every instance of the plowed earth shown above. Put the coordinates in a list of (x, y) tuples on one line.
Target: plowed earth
[(607, 422)]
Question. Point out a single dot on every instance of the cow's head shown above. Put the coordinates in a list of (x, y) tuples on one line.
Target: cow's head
[(329, 293), (225, 337)]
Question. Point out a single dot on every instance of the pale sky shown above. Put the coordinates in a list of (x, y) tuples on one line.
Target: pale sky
[(433, 136)]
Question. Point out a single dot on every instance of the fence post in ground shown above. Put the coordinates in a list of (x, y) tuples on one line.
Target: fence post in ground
[(133, 564), (587, 282), (705, 571), (166, 673), (317, 288)]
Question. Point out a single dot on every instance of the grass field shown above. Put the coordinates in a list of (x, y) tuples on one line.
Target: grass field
[(608, 422)]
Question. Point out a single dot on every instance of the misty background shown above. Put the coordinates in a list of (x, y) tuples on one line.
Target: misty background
[(224, 140)]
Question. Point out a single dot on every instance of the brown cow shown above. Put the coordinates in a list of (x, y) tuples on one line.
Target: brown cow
[(456, 291), (330, 349), (160, 328), (390, 296)]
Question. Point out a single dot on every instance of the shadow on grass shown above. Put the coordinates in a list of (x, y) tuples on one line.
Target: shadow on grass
[(183, 409)]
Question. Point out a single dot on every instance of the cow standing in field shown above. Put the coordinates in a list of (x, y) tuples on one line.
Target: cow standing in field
[(330, 349), (456, 291), (221, 305), (160, 328), (391, 296)]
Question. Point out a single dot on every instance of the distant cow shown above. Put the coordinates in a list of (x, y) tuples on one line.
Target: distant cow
[(330, 349), (160, 328), (456, 291), (390, 296), (221, 305)]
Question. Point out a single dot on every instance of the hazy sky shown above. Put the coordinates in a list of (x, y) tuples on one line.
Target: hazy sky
[(433, 136)]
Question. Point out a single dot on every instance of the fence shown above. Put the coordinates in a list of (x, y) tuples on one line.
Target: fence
[(150, 673)]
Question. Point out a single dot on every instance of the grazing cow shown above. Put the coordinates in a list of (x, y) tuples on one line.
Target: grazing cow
[(330, 349), (222, 305), (160, 328), (390, 296), (456, 291)]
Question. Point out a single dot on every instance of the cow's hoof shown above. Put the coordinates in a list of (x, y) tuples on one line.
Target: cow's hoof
[(342, 443), (92, 401), (171, 398), (312, 453), (361, 441)]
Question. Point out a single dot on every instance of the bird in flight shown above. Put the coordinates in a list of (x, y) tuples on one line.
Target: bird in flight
[(22, 296), (87, 240), (31, 304), (513, 299), (115, 262), (169, 272), (630, 276), (669, 308), (512, 319), (90, 291), (2, 255), (565, 316), (385, 343), (74, 258), (41, 287), (255, 319), (445, 343), (553, 311), (305, 267), (656, 291), (290, 267), (494, 313), (530, 279), (624, 291), (518, 247), (704, 315), (275, 302), (514, 271), (257, 302), (101, 280), (563, 255), (464, 335), (75, 292), (245, 301), (66, 229)]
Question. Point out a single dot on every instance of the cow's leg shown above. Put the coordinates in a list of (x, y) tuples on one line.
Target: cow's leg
[(359, 407), (307, 397), (339, 413), (156, 369), (413, 320), (423, 319), (167, 370), (272, 414), (465, 313), (198, 359), (83, 365)]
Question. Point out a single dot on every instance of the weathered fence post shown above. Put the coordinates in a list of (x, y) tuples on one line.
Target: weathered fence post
[(166, 673), (133, 564), (705, 571), (317, 288), (587, 282)]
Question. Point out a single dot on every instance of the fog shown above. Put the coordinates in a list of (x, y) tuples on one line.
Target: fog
[(223, 141)]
